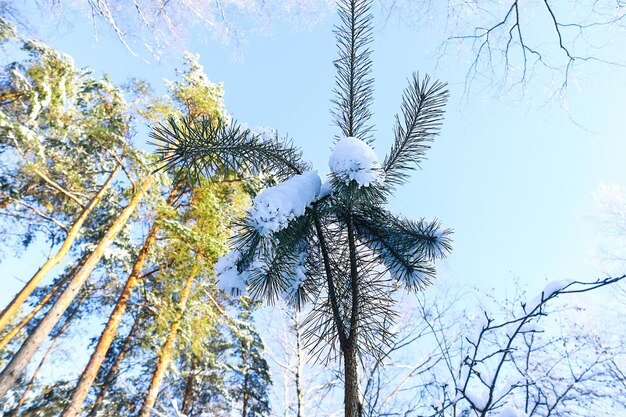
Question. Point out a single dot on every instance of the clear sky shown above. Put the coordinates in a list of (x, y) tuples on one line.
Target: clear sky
[(513, 172)]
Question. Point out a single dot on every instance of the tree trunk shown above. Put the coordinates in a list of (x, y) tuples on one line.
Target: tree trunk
[(244, 408), (347, 342), (352, 402), (42, 303), (11, 310), (110, 330), (168, 346), (18, 363), (189, 386), (299, 393), (110, 376), (22, 399)]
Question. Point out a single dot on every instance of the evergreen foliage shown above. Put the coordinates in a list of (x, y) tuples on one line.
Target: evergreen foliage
[(352, 252), (250, 378), (63, 132)]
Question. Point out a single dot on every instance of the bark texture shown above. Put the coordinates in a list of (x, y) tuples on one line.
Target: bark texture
[(352, 402)]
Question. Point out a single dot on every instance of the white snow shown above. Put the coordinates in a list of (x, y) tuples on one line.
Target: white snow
[(327, 189), (298, 274), (479, 397), (487, 374), (508, 411), (353, 159), (229, 279), (555, 286), (463, 375), (507, 387), (548, 291), (266, 134), (274, 207)]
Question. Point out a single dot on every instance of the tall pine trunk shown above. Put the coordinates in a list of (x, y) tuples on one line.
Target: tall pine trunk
[(110, 330), (246, 393), (18, 363), (30, 384), (347, 342), (352, 399), (41, 304), (11, 310), (168, 346), (112, 373)]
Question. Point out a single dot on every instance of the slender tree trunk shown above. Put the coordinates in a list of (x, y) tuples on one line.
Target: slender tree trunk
[(18, 363), (351, 383), (11, 310), (244, 408), (349, 348), (189, 386), (299, 394), (110, 376), (22, 399), (42, 303), (110, 330), (347, 343), (168, 346)]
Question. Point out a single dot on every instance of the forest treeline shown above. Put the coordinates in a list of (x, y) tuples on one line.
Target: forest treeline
[(130, 251)]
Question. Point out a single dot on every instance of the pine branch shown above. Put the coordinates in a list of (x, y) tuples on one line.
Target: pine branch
[(423, 105), (428, 237), (269, 278), (211, 148), (273, 261), (353, 85), (406, 248), (357, 196)]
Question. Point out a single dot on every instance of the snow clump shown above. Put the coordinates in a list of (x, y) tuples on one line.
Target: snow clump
[(353, 159), (327, 189), (548, 292), (508, 411), (297, 277), (274, 207), (229, 279)]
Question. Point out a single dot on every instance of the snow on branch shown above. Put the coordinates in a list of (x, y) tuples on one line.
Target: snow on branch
[(229, 279), (353, 159), (274, 207)]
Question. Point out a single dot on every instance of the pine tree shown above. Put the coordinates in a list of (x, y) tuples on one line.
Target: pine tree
[(61, 137), (170, 250), (92, 115), (65, 136), (251, 378), (336, 245)]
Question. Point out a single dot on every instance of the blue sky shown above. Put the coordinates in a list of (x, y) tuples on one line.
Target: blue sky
[(513, 172)]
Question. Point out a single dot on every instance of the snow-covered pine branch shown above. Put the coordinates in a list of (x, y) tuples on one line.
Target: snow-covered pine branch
[(353, 159)]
